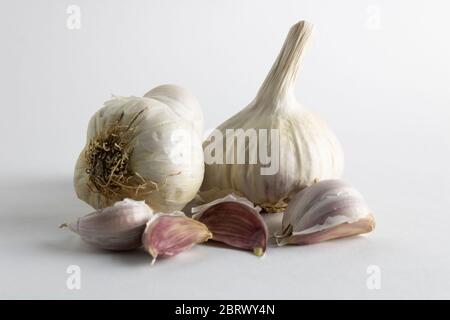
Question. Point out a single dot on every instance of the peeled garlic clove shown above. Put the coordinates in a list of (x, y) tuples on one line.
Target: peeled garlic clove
[(234, 221), (326, 210), (170, 234), (118, 227)]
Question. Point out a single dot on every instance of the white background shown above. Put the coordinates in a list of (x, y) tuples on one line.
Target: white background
[(377, 71)]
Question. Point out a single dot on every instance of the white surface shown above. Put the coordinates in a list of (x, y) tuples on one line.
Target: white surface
[(384, 91)]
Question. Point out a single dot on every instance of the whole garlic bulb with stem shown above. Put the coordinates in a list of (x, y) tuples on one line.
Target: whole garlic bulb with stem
[(308, 149), (145, 148)]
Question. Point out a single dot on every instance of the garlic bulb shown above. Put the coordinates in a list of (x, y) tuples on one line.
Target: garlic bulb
[(326, 210), (118, 227), (143, 148), (305, 148)]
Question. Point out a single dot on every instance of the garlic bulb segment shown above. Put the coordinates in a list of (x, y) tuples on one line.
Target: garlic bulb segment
[(326, 210), (140, 148), (118, 227), (182, 102), (170, 234), (285, 146), (236, 222)]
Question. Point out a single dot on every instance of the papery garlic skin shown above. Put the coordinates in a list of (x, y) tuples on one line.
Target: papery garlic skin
[(207, 198), (326, 210), (235, 221), (182, 102), (309, 150), (165, 160), (170, 234), (342, 230), (118, 227)]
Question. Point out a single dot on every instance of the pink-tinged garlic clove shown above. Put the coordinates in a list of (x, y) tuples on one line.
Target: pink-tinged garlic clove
[(327, 210), (236, 222), (172, 233), (118, 227)]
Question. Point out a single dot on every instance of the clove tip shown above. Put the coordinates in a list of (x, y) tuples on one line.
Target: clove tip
[(258, 251)]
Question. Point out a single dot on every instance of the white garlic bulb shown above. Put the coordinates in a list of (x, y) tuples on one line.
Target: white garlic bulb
[(143, 148), (307, 149), (326, 210)]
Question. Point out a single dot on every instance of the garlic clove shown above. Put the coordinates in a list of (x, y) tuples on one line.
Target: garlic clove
[(118, 227), (172, 233), (328, 209), (234, 221), (206, 197)]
